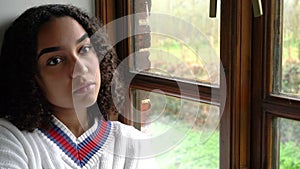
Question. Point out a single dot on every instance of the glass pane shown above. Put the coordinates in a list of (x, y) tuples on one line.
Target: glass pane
[(195, 141), (181, 41), (289, 144), (290, 54)]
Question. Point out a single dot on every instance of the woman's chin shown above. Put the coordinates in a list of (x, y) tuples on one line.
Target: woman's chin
[(84, 101)]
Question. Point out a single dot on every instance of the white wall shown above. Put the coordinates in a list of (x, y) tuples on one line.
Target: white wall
[(10, 9)]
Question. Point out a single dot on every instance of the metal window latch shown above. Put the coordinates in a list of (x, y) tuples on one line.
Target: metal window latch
[(257, 8), (213, 8)]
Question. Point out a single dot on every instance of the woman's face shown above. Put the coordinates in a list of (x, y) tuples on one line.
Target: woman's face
[(68, 66)]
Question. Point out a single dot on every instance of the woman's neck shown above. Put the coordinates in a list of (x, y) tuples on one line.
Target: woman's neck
[(76, 121)]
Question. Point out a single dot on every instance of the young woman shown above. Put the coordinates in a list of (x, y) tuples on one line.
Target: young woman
[(57, 70)]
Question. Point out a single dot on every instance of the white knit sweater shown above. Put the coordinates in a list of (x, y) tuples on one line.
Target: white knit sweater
[(106, 145)]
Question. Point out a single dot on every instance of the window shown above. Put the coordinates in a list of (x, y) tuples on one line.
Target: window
[(287, 48), (288, 143), (169, 41), (189, 127), (221, 91), (276, 91), (164, 48)]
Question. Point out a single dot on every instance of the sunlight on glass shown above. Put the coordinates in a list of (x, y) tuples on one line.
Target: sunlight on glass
[(194, 57), (290, 75), (199, 148)]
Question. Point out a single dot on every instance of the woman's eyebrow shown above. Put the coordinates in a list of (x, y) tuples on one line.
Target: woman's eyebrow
[(56, 48), (82, 38), (48, 50)]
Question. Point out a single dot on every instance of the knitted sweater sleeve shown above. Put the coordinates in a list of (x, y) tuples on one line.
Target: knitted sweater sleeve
[(12, 153)]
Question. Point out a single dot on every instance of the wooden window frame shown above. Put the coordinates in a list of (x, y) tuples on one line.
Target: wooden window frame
[(265, 105), (236, 30)]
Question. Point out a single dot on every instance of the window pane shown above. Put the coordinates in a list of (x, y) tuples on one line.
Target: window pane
[(195, 123), (289, 134), (290, 54), (183, 43)]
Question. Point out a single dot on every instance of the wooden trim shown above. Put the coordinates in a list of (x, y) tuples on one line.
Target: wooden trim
[(236, 56), (259, 86), (277, 37), (226, 52), (256, 94), (245, 84), (206, 93), (278, 110), (97, 9), (269, 47), (290, 104), (265, 105), (268, 136), (105, 10), (275, 156), (122, 8)]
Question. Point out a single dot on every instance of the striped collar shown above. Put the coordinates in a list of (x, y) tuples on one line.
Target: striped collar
[(82, 149)]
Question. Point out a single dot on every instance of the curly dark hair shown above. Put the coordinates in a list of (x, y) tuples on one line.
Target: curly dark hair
[(22, 101)]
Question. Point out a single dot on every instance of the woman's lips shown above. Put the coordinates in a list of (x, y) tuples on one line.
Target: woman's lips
[(84, 88)]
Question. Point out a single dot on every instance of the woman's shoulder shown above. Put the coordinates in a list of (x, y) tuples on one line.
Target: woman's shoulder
[(11, 134), (8, 129), (11, 146), (5, 122)]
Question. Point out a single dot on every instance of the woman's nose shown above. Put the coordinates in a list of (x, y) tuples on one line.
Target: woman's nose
[(79, 68)]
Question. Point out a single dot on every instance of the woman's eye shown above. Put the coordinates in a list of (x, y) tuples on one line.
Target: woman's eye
[(85, 49), (54, 61)]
